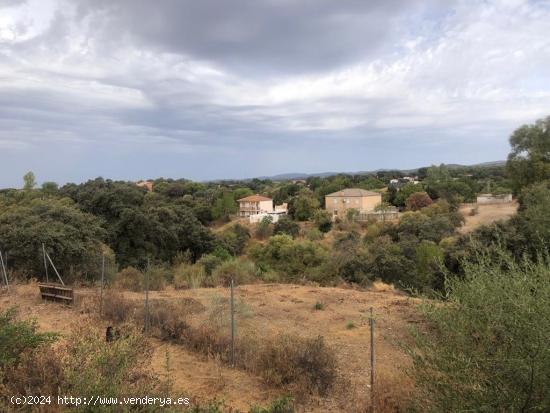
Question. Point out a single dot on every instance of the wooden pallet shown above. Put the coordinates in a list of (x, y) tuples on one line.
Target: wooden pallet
[(56, 292)]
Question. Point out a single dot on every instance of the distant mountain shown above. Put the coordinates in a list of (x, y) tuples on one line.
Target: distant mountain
[(301, 175)]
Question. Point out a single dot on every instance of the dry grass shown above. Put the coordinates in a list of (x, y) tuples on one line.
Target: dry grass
[(486, 214), (274, 310)]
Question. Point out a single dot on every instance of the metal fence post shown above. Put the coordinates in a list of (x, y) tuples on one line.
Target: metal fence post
[(102, 284), (146, 327), (232, 325), (372, 361)]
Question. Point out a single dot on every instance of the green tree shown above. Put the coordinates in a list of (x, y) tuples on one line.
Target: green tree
[(263, 229), (322, 220), (302, 207), (72, 238), (404, 193), (29, 180), (285, 225), (529, 160), (486, 349), (50, 188)]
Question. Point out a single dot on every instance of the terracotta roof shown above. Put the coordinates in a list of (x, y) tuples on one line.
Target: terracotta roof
[(254, 198), (354, 192)]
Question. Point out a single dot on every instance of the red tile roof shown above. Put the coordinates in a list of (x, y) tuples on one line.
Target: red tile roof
[(254, 198)]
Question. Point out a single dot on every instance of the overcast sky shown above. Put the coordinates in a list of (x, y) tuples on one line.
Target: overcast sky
[(132, 89)]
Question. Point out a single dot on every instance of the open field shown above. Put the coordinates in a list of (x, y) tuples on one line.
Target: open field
[(271, 309), (487, 214)]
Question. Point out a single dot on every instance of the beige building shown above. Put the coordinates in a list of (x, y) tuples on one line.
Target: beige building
[(255, 204), (339, 202)]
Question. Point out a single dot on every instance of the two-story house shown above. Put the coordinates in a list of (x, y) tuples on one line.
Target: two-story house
[(255, 204), (339, 202)]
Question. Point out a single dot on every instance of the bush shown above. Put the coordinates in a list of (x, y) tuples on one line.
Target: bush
[(242, 272), (314, 234), (285, 225), (189, 276), (129, 278), (157, 277), (280, 405), (263, 229), (18, 337), (417, 201), (486, 350), (322, 220), (116, 308), (289, 257), (234, 239), (308, 364), (119, 369), (209, 262)]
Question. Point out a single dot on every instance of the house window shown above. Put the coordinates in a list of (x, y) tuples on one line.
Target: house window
[(335, 201)]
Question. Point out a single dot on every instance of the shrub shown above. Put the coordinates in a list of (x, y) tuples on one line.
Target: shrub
[(289, 257), (308, 364), (129, 278), (314, 234), (263, 229), (157, 277), (280, 405), (18, 337), (167, 320), (189, 276), (234, 239), (242, 271), (118, 369), (487, 348), (352, 214), (417, 201), (116, 308), (322, 220), (209, 262), (318, 306), (285, 225)]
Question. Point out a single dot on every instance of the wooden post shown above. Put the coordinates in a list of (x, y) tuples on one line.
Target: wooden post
[(102, 284), (372, 361), (45, 262), (4, 270), (146, 326), (55, 269), (232, 325)]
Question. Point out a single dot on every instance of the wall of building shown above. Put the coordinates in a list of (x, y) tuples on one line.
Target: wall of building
[(494, 199), (365, 203), (266, 206)]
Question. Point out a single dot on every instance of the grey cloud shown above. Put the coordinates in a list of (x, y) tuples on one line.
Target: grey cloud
[(254, 36)]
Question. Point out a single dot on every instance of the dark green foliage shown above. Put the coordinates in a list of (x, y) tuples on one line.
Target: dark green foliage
[(18, 337), (285, 225), (263, 229), (292, 258), (72, 238), (322, 220), (486, 350), (280, 405), (404, 193), (529, 160), (303, 206), (234, 239)]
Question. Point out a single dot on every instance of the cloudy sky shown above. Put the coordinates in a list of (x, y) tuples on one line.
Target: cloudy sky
[(132, 89)]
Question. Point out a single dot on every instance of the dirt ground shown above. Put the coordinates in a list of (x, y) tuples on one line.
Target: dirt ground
[(278, 309), (486, 214)]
